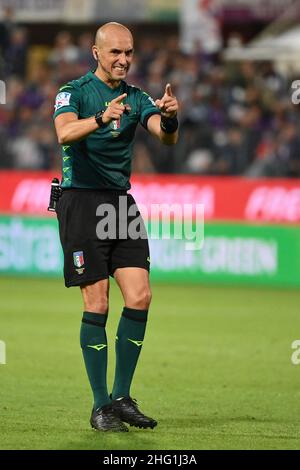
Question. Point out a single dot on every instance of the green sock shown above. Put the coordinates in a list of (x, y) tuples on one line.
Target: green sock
[(94, 348), (129, 340)]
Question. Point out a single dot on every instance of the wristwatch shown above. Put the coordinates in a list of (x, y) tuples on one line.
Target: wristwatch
[(98, 118)]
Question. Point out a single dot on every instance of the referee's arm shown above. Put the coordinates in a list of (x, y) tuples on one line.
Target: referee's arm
[(70, 129), (165, 127), (155, 129)]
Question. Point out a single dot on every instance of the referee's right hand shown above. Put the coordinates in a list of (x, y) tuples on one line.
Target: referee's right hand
[(115, 109)]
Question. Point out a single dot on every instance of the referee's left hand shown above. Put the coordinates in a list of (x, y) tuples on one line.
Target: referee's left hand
[(168, 104)]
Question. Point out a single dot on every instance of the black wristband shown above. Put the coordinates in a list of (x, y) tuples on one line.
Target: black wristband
[(168, 125), (98, 118)]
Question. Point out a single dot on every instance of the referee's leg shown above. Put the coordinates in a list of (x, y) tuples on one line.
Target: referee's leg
[(95, 296), (135, 287), (94, 348), (93, 339)]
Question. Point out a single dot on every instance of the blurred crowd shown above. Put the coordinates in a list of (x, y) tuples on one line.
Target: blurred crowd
[(236, 119)]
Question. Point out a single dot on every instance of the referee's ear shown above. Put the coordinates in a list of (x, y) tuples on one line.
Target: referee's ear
[(95, 53)]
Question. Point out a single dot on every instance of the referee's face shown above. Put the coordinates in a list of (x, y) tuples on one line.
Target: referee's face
[(115, 55)]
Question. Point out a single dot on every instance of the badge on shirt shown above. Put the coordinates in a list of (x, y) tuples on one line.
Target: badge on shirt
[(115, 125), (62, 99)]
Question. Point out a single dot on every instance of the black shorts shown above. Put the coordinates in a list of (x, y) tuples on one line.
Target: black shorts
[(87, 257)]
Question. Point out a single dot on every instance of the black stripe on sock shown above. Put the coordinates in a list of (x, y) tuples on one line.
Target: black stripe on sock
[(91, 322), (131, 317)]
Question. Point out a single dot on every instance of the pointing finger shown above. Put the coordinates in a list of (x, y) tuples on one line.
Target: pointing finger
[(168, 90), (119, 98)]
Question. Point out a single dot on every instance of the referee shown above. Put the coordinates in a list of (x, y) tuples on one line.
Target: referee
[(95, 119)]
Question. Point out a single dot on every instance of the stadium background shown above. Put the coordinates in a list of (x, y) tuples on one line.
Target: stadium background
[(238, 154)]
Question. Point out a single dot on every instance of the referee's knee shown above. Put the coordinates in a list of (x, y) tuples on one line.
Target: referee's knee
[(139, 300), (99, 305)]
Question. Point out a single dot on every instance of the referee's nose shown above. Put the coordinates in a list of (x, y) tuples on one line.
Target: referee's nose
[(122, 59)]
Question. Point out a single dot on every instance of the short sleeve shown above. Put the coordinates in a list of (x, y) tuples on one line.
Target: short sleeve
[(148, 108), (67, 100)]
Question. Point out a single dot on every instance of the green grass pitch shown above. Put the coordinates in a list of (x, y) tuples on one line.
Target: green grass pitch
[(215, 369)]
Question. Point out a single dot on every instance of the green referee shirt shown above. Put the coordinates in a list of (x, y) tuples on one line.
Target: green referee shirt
[(102, 160)]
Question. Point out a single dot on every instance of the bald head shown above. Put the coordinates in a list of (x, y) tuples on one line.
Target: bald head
[(109, 30), (113, 51)]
